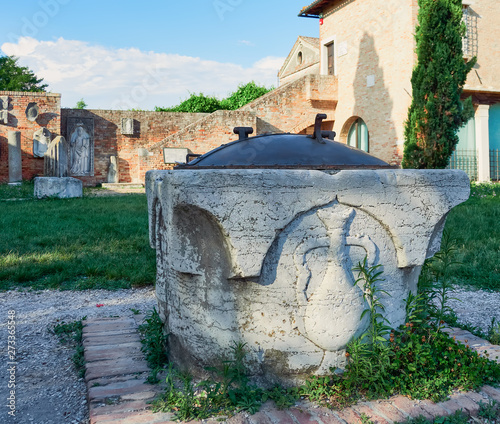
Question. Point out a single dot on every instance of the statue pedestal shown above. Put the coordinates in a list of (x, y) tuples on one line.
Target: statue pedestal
[(61, 187)]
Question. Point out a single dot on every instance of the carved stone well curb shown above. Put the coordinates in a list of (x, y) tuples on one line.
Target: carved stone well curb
[(265, 256)]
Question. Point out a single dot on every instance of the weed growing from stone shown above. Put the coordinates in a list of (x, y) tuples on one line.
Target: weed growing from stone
[(458, 417), (228, 393), (494, 332), (154, 344), (418, 359), (72, 334), (489, 410)]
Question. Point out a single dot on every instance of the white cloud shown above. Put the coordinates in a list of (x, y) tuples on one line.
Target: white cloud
[(131, 78), (246, 43)]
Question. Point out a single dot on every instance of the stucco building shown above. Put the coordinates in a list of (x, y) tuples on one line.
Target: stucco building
[(369, 49)]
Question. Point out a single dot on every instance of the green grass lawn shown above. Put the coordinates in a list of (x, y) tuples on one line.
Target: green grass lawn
[(475, 227), (99, 242)]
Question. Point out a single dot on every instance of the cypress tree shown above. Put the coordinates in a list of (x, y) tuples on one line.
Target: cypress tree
[(436, 112)]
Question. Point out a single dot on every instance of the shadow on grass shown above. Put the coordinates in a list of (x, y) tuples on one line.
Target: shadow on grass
[(85, 243)]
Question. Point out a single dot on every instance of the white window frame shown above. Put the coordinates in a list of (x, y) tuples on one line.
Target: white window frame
[(324, 55)]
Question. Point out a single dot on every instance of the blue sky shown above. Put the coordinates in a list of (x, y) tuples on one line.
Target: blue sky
[(122, 54)]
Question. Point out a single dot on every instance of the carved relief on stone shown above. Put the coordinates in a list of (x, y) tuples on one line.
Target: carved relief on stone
[(81, 146), (41, 141), (270, 260), (56, 158), (32, 112), (127, 126), (4, 102), (4, 117)]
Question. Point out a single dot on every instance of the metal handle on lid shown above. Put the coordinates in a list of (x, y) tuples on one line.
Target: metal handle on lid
[(243, 132)]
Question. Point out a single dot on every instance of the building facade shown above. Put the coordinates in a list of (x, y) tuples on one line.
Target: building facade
[(370, 49)]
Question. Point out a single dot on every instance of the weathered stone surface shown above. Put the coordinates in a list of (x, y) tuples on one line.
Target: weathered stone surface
[(127, 126), (41, 141), (81, 146), (32, 111), (56, 158), (266, 257), (4, 102), (113, 170), (63, 188), (15, 161), (4, 117)]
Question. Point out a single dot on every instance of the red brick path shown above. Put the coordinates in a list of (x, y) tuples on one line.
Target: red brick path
[(118, 393)]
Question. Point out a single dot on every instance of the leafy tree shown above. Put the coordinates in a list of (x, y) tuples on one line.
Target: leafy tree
[(80, 104), (196, 103), (206, 104), (436, 112), (245, 94), (18, 78)]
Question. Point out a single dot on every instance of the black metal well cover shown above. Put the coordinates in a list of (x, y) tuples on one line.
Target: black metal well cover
[(286, 151)]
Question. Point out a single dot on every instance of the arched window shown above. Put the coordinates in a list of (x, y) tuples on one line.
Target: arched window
[(358, 135), (299, 58)]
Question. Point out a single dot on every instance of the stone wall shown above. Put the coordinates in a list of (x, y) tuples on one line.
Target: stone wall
[(148, 128), (49, 117), (293, 107), (201, 136)]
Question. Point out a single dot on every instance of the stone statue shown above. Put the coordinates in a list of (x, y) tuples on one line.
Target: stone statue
[(41, 140), (80, 151), (56, 158)]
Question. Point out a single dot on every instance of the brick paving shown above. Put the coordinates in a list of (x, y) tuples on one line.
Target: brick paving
[(118, 392)]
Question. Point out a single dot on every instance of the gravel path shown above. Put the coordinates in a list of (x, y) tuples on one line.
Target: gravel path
[(48, 390)]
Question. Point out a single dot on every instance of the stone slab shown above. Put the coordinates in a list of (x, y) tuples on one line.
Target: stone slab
[(113, 368), (126, 407), (119, 389), (387, 410), (63, 188), (118, 339), (492, 392), (111, 346), (304, 417), (94, 327), (113, 354)]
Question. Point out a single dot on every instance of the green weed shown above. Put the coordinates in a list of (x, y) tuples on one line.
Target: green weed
[(23, 191), (418, 359), (493, 334), (229, 393), (489, 410), (154, 344), (458, 417), (72, 333)]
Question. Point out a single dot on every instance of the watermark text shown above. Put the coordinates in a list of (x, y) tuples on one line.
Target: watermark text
[(11, 362)]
